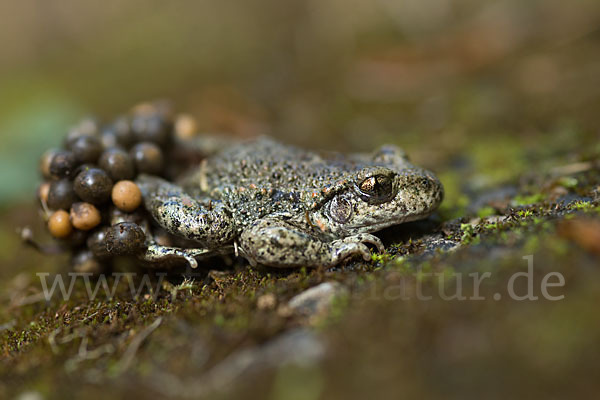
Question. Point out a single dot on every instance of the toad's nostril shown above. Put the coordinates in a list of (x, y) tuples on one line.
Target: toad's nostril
[(426, 183)]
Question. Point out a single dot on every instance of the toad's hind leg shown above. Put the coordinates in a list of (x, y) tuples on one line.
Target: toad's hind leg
[(158, 255), (279, 243), (204, 221)]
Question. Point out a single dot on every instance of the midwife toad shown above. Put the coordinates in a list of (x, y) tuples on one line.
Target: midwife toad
[(281, 206)]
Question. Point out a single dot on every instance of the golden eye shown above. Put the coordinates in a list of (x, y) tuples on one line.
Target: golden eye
[(368, 185), (377, 189)]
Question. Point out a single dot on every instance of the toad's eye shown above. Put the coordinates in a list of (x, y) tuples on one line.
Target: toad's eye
[(377, 189)]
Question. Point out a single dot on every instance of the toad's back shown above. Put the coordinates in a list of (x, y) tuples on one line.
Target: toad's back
[(263, 177)]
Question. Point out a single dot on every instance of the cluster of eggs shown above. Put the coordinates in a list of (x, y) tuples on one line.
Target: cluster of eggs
[(89, 197)]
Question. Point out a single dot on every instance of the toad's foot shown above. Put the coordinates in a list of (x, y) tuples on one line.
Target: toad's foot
[(354, 245), (162, 255)]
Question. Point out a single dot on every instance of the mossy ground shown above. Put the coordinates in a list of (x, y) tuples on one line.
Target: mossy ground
[(378, 338)]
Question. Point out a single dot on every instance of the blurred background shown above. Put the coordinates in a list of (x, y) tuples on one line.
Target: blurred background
[(495, 97), (435, 76)]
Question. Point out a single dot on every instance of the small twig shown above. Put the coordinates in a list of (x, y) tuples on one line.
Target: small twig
[(84, 354), (89, 316), (52, 340), (125, 361), (27, 237), (26, 300)]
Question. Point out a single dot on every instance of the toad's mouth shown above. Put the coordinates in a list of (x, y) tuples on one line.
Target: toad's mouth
[(379, 225)]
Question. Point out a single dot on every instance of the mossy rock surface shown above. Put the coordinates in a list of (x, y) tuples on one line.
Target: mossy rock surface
[(412, 318)]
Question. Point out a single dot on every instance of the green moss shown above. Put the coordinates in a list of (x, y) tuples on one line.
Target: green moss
[(468, 233), (525, 213), (585, 206), (381, 258)]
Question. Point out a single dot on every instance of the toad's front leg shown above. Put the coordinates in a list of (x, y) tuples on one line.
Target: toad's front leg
[(276, 242)]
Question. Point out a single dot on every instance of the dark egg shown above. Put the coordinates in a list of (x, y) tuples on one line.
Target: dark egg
[(86, 149), (125, 238), (118, 164), (61, 195), (96, 243), (151, 128), (148, 158), (93, 185), (63, 164)]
